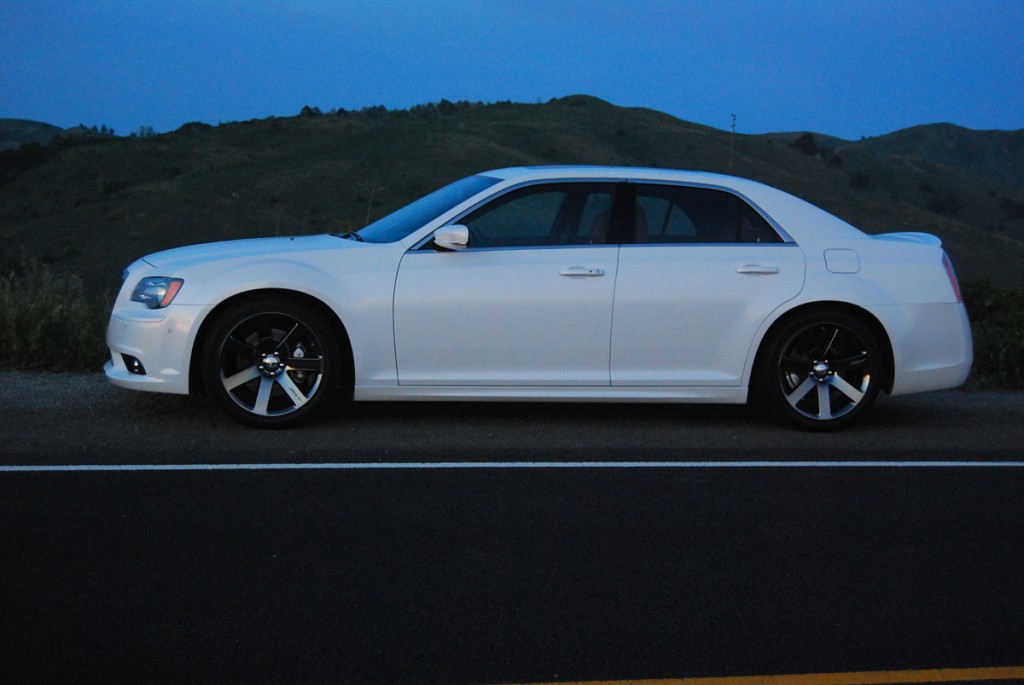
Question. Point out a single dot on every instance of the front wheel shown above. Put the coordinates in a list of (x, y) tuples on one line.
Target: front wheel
[(271, 362), (821, 371)]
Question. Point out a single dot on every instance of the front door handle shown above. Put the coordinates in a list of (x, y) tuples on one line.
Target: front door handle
[(581, 271), (757, 269)]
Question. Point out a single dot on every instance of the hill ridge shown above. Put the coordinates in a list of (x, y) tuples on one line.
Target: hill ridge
[(92, 205)]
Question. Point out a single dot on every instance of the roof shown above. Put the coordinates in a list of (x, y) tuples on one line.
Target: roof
[(799, 218)]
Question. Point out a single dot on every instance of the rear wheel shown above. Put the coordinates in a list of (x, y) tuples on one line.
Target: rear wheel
[(821, 370), (271, 362)]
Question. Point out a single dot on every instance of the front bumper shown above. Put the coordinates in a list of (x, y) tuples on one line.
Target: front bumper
[(160, 339)]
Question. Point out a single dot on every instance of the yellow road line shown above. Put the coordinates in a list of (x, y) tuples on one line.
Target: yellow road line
[(938, 675)]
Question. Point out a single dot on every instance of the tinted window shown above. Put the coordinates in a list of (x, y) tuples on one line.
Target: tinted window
[(401, 223), (544, 214), (680, 214)]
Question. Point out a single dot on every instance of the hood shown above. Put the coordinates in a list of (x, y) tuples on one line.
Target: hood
[(233, 249)]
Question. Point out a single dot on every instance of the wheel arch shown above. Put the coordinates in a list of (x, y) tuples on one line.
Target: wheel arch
[(195, 382), (881, 335)]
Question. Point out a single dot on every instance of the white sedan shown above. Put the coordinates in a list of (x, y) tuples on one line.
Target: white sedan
[(554, 284)]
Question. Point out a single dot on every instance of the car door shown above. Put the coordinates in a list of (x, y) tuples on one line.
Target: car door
[(527, 303), (703, 274)]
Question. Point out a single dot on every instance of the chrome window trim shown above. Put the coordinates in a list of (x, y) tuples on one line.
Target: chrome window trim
[(697, 245), (505, 248)]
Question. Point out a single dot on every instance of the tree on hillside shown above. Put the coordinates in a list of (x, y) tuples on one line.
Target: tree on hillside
[(806, 144)]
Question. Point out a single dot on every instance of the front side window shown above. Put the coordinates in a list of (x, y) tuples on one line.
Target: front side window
[(543, 215), (683, 214)]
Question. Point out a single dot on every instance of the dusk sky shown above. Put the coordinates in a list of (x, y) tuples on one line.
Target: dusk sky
[(849, 69)]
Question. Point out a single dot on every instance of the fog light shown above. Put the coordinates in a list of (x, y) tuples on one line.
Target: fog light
[(133, 365)]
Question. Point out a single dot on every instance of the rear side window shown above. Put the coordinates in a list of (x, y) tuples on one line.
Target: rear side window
[(683, 214)]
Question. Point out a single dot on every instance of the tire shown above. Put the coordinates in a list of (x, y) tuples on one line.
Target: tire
[(821, 371), (271, 361)]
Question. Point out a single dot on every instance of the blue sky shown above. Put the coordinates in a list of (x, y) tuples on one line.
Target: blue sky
[(849, 69)]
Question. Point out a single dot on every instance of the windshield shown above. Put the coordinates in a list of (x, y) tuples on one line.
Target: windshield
[(401, 223)]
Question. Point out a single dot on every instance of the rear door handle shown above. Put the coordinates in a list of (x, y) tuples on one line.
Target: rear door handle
[(757, 269), (581, 271)]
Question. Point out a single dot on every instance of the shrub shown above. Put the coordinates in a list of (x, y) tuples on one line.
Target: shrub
[(997, 321), (806, 144), (948, 204), (50, 322), (21, 159), (1012, 209), (861, 181)]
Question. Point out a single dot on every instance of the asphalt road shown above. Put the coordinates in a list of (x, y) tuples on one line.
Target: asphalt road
[(502, 574), (67, 418)]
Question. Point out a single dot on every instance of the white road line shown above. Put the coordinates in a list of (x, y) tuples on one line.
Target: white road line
[(467, 465)]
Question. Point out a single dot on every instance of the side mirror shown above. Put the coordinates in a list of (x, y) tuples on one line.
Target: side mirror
[(455, 237)]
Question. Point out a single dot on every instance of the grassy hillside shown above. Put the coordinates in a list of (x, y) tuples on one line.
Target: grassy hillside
[(91, 206), (16, 132), (994, 156)]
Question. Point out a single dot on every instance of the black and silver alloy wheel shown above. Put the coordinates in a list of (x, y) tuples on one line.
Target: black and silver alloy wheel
[(270, 362), (822, 371)]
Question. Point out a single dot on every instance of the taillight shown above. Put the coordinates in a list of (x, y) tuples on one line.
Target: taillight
[(952, 277)]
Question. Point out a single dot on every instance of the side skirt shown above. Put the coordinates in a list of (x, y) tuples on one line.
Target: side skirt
[(696, 395)]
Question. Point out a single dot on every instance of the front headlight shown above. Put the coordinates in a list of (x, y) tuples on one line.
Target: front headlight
[(157, 291)]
